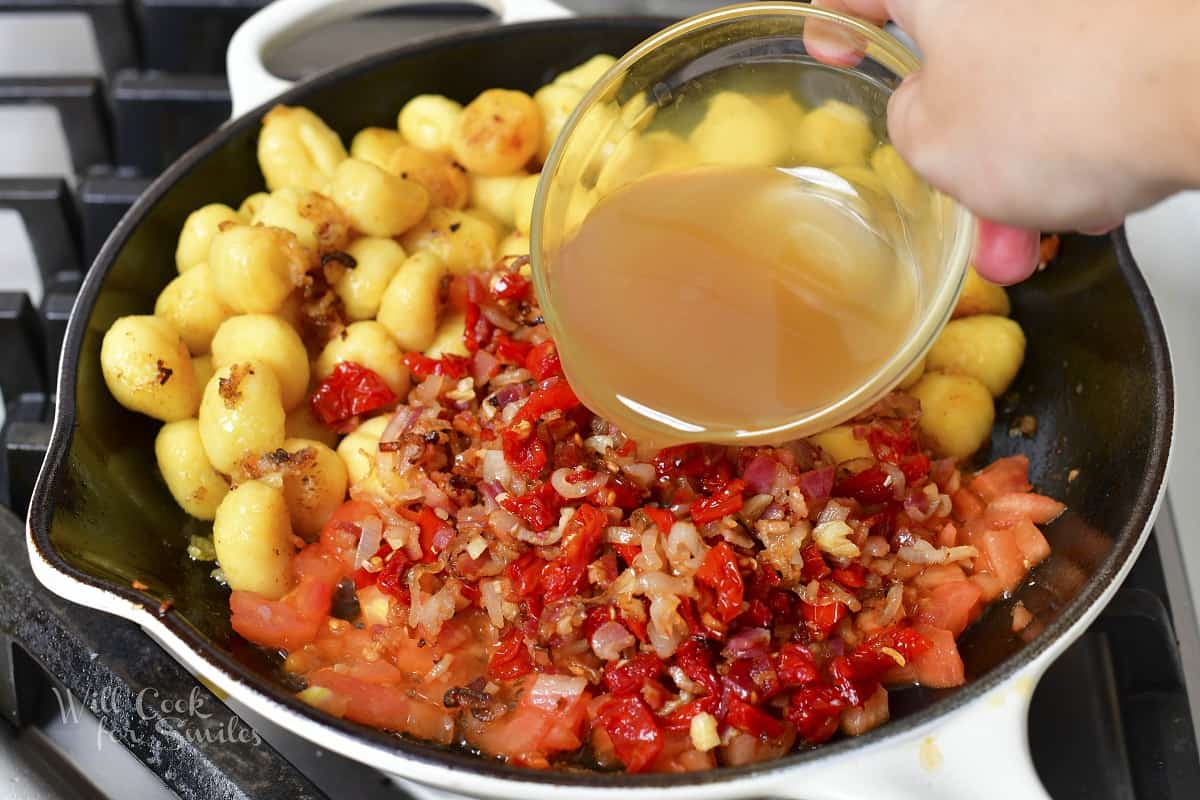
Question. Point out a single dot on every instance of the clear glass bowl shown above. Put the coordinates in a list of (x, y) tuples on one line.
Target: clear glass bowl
[(609, 141)]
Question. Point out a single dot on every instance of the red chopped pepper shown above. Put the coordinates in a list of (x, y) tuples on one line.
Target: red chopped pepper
[(720, 571), (852, 577), (752, 720), (510, 351), (727, 500), (349, 391), (820, 619), (662, 518), (552, 394), (562, 576), (915, 467), (634, 731), (628, 677), (511, 657), (435, 533), (511, 286), (538, 508), (542, 361), (477, 331), (525, 573)]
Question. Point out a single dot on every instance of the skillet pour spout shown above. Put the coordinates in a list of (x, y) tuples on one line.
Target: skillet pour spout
[(1097, 379)]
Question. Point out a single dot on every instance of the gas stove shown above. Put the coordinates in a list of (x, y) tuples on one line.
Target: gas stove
[(96, 97)]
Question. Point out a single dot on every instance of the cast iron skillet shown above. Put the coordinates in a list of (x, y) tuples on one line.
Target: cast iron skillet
[(1097, 379)]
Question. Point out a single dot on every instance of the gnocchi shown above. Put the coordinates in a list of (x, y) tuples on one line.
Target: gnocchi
[(202, 366), (361, 289), (835, 134), (556, 102), (584, 76), (428, 121), (191, 479), (495, 195), (498, 133), (241, 415), (271, 341), (147, 368), (736, 131), (449, 337), (986, 347), (840, 444), (191, 305), (522, 200), (442, 177), (956, 413), (370, 344), (980, 296), (409, 307), (359, 449), (252, 534), (376, 145), (301, 423), (254, 269), (314, 485), (460, 240), (297, 148), (198, 231), (377, 202)]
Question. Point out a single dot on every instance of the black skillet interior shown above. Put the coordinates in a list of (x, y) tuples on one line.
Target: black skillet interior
[(1096, 379)]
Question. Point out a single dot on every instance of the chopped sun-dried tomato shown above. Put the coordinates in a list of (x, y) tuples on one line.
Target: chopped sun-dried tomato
[(511, 286), (892, 445), (562, 576), (814, 567), (853, 576), (542, 361), (869, 487), (683, 459), (627, 677), (868, 661), (721, 572), (796, 666), (915, 467), (752, 720), (538, 508), (477, 331), (390, 579), (820, 618), (695, 659), (525, 573), (681, 718), (436, 533), (349, 391), (815, 712), (716, 476), (634, 731), (552, 394), (662, 518), (511, 657), (621, 492), (726, 500), (450, 365)]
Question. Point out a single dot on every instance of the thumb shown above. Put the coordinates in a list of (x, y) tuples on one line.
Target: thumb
[(1005, 255), (910, 126)]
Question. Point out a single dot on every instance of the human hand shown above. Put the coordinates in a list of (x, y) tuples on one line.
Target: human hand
[(1043, 114)]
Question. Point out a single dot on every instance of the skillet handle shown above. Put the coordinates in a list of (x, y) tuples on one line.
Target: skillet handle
[(250, 83), (980, 750)]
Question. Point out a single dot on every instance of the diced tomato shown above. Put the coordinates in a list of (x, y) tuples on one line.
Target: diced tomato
[(940, 666), (950, 605), (750, 719), (870, 487), (349, 391), (726, 500), (387, 707), (720, 571), (1025, 505), (538, 508), (662, 518), (510, 658), (634, 731), (998, 554), (562, 576), (1005, 476), (542, 361), (628, 677), (1030, 541), (529, 734), (967, 505), (510, 351), (511, 286), (288, 623)]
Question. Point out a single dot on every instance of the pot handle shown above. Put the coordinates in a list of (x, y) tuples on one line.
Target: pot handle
[(979, 751), (251, 84)]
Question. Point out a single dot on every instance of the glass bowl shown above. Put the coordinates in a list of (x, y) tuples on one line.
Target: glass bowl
[(662, 91)]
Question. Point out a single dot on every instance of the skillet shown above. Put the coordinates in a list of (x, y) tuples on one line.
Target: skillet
[(1097, 379)]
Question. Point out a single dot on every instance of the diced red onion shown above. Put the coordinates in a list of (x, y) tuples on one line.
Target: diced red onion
[(619, 534), (641, 472), (512, 376), (427, 391), (492, 594), (919, 506), (482, 366), (686, 550), (816, 484), (610, 639), (759, 474), (775, 511), (430, 612), (894, 605), (435, 497), (549, 690), (897, 480), (494, 315), (495, 468), (833, 511), (559, 479), (400, 423), (370, 534), (747, 642), (599, 444)]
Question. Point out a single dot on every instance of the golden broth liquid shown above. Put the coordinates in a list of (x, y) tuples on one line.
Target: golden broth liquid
[(729, 298)]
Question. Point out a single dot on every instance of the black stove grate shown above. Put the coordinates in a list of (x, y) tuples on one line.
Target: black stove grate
[(1110, 720)]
